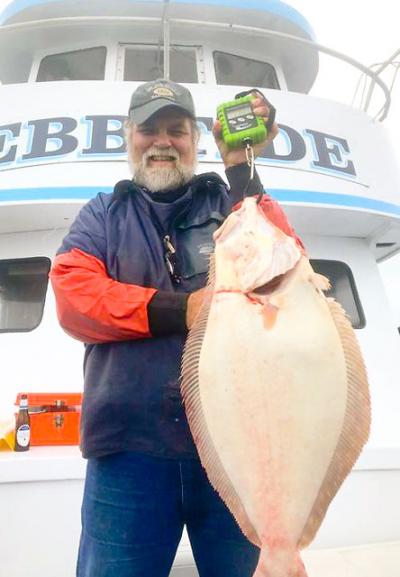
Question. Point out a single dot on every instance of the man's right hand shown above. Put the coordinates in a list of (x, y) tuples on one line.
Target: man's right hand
[(194, 304)]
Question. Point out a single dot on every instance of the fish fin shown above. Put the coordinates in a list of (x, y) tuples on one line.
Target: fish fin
[(320, 281), (197, 422), (280, 563), (356, 423)]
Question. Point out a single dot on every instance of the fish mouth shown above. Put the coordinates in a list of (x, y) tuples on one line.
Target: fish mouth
[(270, 286), (278, 282)]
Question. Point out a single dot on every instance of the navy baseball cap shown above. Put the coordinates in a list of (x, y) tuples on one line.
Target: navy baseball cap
[(153, 96)]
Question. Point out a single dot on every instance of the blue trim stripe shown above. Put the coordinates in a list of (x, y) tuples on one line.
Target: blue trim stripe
[(280, 194), (275, 7), (312, 197), (62, 192), (18, 6)]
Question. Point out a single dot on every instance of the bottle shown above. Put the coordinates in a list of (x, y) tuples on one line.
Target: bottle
[(22, 426)]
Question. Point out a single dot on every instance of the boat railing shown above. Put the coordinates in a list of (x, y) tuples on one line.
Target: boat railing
[(375, 79), (368, 82)]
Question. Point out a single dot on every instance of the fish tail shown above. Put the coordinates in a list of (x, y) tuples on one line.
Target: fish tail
[(282, 563)]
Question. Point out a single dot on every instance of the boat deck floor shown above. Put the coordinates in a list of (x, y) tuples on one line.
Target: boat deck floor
[(374, 560)]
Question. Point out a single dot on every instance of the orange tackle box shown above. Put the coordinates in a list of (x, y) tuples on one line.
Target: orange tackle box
[(54, 417)]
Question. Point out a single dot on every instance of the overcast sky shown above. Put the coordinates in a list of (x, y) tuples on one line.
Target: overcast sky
[(369, 33)]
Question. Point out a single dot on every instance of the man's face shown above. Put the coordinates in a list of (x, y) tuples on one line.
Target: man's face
[(163, 151)]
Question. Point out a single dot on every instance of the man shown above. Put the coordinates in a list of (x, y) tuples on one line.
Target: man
[(129, 281)]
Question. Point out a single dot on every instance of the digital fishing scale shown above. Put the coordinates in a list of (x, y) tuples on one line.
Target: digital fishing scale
[(241, 128), (239, 125)]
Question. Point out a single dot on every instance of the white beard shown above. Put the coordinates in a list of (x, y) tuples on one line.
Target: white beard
[(163, 178)]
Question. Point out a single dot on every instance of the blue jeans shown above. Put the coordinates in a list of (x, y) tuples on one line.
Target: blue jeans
[(133, 513)]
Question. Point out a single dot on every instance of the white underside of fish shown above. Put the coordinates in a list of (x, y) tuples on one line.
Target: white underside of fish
[(277, 400)]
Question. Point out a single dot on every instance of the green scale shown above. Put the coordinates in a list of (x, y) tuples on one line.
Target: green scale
[(240, 126)]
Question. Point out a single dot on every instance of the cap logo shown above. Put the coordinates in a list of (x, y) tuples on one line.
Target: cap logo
[(163, 92), (153, 96)]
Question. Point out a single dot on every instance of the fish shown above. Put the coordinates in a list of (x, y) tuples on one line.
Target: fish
[(275, 389)]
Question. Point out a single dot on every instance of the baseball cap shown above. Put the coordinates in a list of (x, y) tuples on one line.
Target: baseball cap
[(153, 96)]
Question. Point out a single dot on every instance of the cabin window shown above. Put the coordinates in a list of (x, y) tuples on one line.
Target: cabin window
[(23, 286), (343, 289), (86, 64), (147, 63), (239, 71)]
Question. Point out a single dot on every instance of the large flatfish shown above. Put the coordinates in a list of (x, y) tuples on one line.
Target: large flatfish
[(275, 389)]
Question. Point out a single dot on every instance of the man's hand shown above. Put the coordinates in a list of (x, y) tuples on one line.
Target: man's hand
[(194, 304), (238, 156)]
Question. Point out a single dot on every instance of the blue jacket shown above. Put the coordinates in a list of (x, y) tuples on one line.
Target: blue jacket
[(115, 292), (131, 394)]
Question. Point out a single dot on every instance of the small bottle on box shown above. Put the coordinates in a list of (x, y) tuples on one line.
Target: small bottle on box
[(22, 426)]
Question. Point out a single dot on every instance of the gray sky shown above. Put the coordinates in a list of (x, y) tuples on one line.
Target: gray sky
[(369, 33)]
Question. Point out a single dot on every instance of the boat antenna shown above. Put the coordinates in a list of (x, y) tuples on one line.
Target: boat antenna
[(165, 25)]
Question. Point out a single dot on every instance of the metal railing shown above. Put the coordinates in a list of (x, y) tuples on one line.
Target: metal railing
[(165, 23)]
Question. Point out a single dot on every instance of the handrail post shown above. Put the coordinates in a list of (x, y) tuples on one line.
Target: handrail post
[(166, 40), (377, 72)]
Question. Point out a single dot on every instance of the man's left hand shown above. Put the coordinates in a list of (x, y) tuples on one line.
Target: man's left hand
[(238, 156)]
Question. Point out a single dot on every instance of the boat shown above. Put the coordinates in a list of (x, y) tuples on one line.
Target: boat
[(67, 70)]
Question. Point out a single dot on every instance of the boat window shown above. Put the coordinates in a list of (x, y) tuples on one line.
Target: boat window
[(23, 286), (343, 288), (85, 64), (239, 71), (147, 63)]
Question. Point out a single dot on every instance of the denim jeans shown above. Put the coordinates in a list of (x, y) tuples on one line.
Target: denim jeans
[(133, 513)]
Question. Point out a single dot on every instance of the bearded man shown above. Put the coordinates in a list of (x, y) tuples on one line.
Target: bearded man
[(129, 281)]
